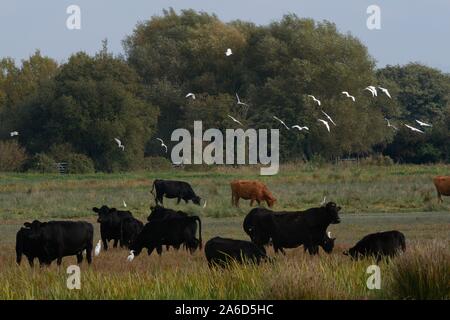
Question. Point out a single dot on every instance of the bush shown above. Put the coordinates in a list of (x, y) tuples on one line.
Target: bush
[(79, 163), (156, 163), (42, 163), (12, 156), (378, 160)]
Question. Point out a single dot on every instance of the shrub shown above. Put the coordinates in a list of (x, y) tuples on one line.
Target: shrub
[(12, 156), (79, 163), (378, 160), (156, 163), (422, 274), (42, 163)]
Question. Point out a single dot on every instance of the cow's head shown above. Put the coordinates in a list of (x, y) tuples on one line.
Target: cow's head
[(155, 211), (271, 201), (328, 243), (333, 212), (196, 200), (35, 229), (103, 213)]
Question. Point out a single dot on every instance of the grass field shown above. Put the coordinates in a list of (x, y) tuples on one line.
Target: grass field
[(373, 199)]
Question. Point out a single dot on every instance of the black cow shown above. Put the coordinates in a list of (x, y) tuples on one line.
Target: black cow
[(26, 246), (220, 251), (173, 231), (58, 239), (174, 189), (388, 243), (130, 229), (292, 229), (110, 220)]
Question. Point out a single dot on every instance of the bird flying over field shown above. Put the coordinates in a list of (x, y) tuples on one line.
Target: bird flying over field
[(328, 117), (190, 94), (325, 123), (300, 128), (423, 124), (162, 143), (315, 100), (282, 122), (14, 133), (239, 101), (98, 248), (348, 95), (235, 120), (372, 90), (131, 256), (385, 91), (119, 143), (414, 129), (390, 125), (229, 52)]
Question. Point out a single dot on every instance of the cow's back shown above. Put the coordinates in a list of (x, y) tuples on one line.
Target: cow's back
[(69, 236), (247, 189)]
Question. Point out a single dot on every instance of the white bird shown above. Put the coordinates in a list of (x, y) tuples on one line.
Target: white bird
[(423, 124), (390, 125), (385, 91), (119, 143), (239, 101), (190, 94), (349, 95), (325, 123), (131, 256), (162, 143), (323, 201), (124, 203), (235, 120), (414, 129), (328, 117), (300, 128), (204, 205), (14, 133), (282, 122), (228, 52), (315, 100), (98, 247), (372, 90)]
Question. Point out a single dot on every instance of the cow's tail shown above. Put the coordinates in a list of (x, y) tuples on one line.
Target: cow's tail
[(199, 230), (19, 248)]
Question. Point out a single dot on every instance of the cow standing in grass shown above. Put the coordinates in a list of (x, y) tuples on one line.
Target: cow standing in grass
[(174, 190), (378, 245), (251, 190), (293, 229), (110, 220)]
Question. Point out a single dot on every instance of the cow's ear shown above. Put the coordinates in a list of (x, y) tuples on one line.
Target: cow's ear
[(95, 209), (27, 224)]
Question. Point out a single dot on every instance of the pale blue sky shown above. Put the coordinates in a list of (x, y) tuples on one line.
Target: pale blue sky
[(411, 30)]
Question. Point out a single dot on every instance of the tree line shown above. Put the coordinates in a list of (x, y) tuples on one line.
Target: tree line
[(73, 111)]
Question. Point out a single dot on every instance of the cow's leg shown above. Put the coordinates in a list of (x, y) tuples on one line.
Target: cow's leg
[(89, 253), (80, 258), (115, 243), (150, 249), (159, 250), (178, 200), (439, 197), (105, 243), (31, 261), (259, 203), (252, 202), (59, 260)]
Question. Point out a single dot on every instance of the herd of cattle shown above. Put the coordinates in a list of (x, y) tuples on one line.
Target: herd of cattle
[(49, 241)]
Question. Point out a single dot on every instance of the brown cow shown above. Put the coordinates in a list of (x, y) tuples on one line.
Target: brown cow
[(442, 184), (250, 190)]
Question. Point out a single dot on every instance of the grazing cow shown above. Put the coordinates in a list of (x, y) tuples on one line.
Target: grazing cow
[(292, 229), (250, 190), (442, 184), (220, 251), (110, 220), (58, 239), (377, 245), (130, 229), (173, 231), (26, 246), (174, 189)]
